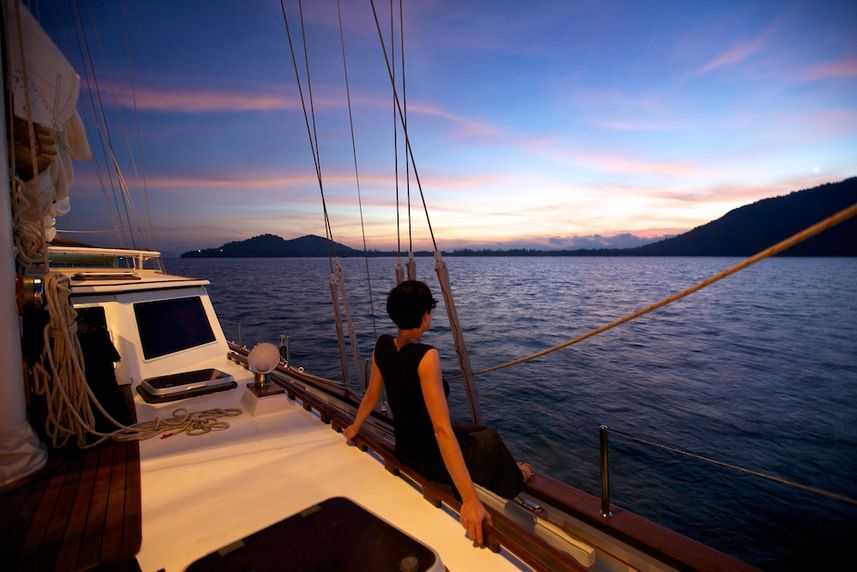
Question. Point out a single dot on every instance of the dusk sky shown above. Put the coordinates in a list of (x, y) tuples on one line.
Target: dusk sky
[(533, 124)]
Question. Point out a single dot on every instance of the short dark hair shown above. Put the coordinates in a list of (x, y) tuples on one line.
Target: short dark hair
[(407, 302)]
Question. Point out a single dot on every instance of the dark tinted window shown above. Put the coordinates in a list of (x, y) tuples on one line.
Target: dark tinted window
[(168, 326)]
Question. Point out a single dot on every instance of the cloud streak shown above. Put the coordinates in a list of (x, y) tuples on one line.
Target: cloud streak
[(733, 56), (844, 68), (189, 100)]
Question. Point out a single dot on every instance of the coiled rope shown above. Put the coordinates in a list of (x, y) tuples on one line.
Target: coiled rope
[(801, 236), (60, 378)]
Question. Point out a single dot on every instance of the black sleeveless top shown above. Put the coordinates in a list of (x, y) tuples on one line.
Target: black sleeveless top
[(416, 444)]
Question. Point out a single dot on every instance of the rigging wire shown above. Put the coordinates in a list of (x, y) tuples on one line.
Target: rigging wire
[(115, 216), (147, 241), (331, 248), (412, 274), (309, 131), (141, 174), (395, 134), (106, 141), (797, 238), (440, 265), (336, 282), (356, 171), (404, 126)]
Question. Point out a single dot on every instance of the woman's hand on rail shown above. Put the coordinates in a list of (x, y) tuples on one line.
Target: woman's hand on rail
[(473, 514), (350, 433)]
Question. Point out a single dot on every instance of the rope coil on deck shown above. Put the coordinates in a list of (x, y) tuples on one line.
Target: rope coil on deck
[(61, 379)]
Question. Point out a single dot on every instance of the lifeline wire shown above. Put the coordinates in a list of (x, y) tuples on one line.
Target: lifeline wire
[(774, 478)]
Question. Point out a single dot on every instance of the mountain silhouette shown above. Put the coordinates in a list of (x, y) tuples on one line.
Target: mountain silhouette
[(741, 232), (270, 246), (754, 227)]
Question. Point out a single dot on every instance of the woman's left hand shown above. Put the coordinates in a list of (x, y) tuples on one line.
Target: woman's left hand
[(473, 514), (350, 432)]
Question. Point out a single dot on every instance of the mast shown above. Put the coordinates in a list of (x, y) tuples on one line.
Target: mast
[(21, 452)]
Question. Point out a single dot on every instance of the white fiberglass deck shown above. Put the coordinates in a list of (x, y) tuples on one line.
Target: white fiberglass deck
[(201, 493)]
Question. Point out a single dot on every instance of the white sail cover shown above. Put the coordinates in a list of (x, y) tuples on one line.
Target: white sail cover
[(52, 89), (53, 84)]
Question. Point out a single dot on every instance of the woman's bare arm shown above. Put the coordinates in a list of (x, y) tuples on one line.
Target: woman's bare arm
[(431, 382), (369, 401)]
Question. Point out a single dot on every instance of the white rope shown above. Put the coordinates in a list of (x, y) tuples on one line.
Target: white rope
[(28, 234), (60, 378)]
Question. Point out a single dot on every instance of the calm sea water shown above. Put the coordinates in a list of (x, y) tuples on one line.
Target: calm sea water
[(759, 370)]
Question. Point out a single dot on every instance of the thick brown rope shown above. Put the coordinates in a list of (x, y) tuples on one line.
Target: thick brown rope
[(801, 236)]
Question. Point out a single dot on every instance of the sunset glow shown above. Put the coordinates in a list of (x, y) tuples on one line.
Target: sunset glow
[(532, 124)]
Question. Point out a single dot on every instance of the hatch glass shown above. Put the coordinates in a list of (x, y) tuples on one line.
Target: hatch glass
[(169, 326)]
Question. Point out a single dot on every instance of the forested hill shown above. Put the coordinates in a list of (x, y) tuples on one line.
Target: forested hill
[(754, 227), (269, 246)]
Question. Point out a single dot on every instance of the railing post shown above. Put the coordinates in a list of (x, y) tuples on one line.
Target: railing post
[(605, 474), (285, 348)]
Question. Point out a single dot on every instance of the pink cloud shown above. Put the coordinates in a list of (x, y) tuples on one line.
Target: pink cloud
[(829, 70), (200, 101), (468, 126), (641, 125), (735, 55)]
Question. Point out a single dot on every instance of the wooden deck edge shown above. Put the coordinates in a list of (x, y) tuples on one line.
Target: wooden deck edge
[(646, 536)]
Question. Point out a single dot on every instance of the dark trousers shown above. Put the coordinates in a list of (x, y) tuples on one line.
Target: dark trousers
[(489, 462)]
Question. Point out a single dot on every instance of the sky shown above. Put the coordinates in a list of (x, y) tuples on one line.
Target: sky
[(543, 124)]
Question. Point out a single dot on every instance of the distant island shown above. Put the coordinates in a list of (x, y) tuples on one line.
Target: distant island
[(741, 232)]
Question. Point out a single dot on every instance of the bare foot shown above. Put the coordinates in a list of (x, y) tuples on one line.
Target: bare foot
[(527, 470)]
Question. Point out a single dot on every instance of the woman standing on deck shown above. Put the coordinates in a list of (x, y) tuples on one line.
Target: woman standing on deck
[(425, 439)]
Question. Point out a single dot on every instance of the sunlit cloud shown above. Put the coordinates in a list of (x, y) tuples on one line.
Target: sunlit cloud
[(844, 68), (189, 100), (734, 56), (640, 125)]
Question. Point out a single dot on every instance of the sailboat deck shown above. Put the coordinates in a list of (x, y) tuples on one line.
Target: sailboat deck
[(202, 493)]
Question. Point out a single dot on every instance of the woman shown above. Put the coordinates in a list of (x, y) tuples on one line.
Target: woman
[(425, 439)]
